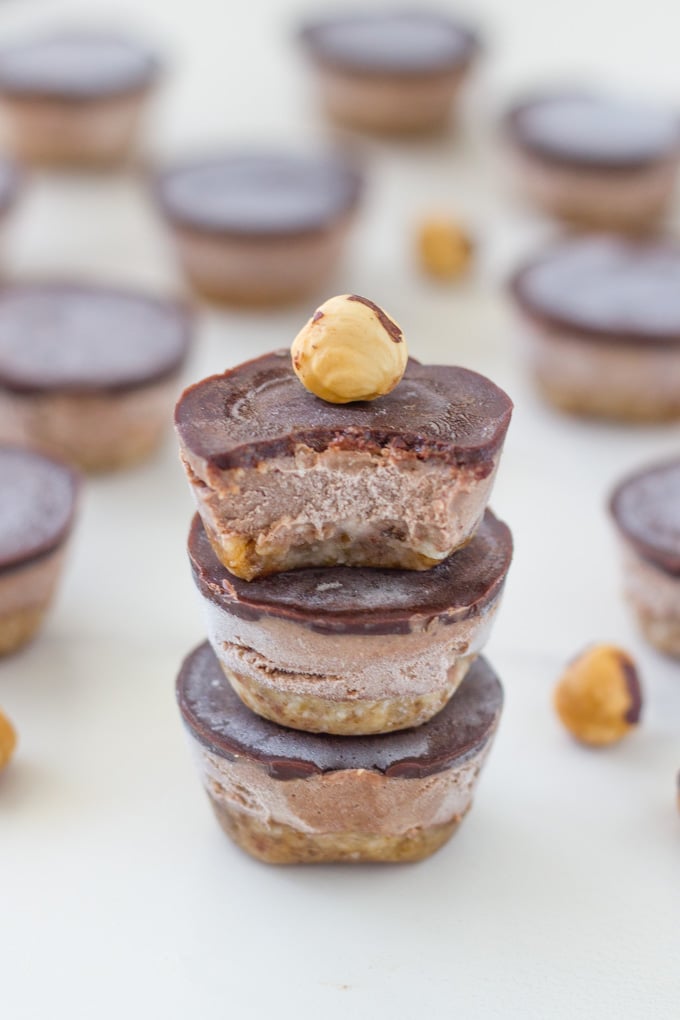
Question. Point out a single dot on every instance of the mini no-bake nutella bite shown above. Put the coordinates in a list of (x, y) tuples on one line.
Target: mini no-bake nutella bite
[(353, 650), (88, 372), (75, 97), (284, 479), (600, 317), (260, 228), (391, 72), (37, 505), (646, 510), (288, 797), (597, 160)]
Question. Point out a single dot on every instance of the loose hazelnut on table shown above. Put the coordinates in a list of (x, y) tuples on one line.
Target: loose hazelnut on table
[(349, 350), (444, 247), (8, 740), (598, 697)]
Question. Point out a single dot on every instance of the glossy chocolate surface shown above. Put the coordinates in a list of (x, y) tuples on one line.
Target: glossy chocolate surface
[(596, 131), (75, 65), (646, 508), (259, 194), (606, 287), (79, 338), (260, 409), (362, 600), (37, 504), (218, 719), (391, 42)]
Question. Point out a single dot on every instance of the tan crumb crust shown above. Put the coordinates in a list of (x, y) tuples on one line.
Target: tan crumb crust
[(275, 843)]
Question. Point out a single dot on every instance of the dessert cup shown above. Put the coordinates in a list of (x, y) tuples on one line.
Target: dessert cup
[(351, 650), (36, 517), (393, 72), (75, 98), (288, 797), (646, 511), (284, 480), (595, 160), (89, 373), (599, 317), (259, 228)]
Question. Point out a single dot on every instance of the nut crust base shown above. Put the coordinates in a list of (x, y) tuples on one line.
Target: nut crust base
[(275, 843), (344, 717), (19, 627)]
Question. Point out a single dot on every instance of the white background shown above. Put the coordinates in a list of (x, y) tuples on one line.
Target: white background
[(119, 896)]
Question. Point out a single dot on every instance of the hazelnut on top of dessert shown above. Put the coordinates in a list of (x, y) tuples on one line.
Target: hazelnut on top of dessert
[(349, 350), (285, 480)]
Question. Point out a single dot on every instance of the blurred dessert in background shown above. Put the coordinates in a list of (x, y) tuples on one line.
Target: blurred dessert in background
[(10, 186), (348, 649), (89, 372), (75, 98), (37, 508), (391, 71), (600, 318), (291, 797), (646, 510), (260, 228), (284, 480), (594, 159)]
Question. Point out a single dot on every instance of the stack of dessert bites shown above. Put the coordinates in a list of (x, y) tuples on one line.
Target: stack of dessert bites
[(350, 574)]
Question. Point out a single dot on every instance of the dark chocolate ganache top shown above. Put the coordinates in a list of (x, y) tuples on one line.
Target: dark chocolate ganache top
[(76, 65), (363, 600), (646, 508), (596, 131), (260, 409), (216, 717), (80, 338), (406, 42), (37, 503), (259, 194), (606, 287)]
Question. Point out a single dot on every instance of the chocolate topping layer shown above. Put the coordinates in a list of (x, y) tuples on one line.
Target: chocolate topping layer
[(391, 42), (389, 325), (594, 131), (606, 287), (259, 194), (37, 504), (75, 65), (218, 719), (79, 338), (646, 508), (259, 410), (361, 600)]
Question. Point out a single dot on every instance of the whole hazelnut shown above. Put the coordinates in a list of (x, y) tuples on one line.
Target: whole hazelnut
[(598, 697), (8, 740), (349, 350), (445, 249)]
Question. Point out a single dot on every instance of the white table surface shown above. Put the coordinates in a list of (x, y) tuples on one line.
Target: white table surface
[(119, 895)]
